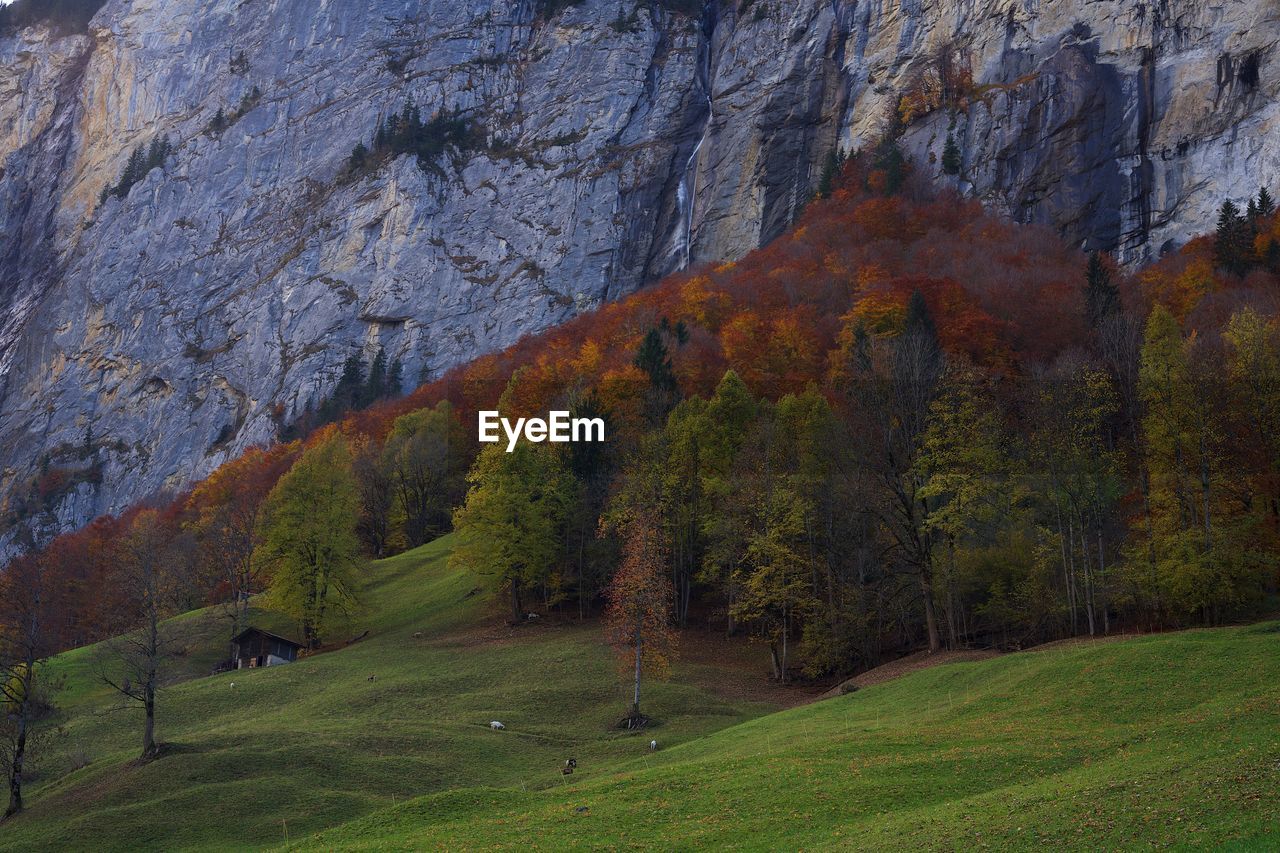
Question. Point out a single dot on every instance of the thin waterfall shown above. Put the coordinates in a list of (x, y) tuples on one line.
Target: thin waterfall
[(686, 192)]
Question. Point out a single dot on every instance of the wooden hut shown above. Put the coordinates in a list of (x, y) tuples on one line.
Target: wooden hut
[(255, 647)]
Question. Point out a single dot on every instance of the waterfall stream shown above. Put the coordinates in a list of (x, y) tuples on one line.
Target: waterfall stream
[(686, 192)]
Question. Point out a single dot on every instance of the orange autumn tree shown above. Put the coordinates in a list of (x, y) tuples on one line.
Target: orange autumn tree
[(223, 514), (638, 617)]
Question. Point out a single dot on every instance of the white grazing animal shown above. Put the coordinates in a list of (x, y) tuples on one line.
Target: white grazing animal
[(233, 684), (653, 746), (496, 726)]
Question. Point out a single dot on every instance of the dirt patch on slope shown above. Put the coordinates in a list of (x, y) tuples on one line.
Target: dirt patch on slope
[(737, 670), (906, 665)]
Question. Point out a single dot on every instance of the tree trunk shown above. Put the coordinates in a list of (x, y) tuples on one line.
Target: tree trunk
[(1205, 495), (582, 572), (239, 616), (149, 730), (517, 611), (774, 659), (930, 615), (635, 701), (19, 756), (1086, 566), (953, 606), (786, 629)]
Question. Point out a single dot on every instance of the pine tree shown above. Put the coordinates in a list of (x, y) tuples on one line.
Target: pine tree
[(890, 168), (653, 359), (1102, 298), (157, 151), (395, 379), (919, 320), (376, 387), (827, 180), (134, 169), (350, 383), (951, 160), (1233, 243), (359, 156), (1266, 205)]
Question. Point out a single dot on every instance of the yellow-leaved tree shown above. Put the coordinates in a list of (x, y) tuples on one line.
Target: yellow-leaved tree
[(309, 545)]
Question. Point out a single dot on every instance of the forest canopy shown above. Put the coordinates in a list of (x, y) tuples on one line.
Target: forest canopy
[(904, 424)]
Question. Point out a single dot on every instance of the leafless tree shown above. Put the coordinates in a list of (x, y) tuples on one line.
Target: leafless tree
[(27, 602), (152, 577)]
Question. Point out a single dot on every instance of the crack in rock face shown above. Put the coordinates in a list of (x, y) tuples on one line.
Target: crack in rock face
[(155, 327)]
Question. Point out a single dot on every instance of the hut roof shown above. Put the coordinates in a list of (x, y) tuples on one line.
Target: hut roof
[(249, 631)]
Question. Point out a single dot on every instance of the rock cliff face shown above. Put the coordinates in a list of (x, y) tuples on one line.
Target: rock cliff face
[(148, 337)]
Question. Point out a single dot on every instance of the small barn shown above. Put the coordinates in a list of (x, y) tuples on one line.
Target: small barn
[(255, 647)]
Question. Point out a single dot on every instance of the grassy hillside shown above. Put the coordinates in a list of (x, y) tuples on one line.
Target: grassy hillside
[(298, 748), (1154, 741), (1165, 739)]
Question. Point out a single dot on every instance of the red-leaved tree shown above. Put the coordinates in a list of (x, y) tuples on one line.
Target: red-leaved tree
[(638, 617)]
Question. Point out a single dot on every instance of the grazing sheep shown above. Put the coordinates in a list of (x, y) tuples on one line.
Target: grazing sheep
[(653, 746), (496, 726), (233, 684)]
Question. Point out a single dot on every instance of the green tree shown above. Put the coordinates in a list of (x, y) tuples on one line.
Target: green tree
[(964, 475), (1266, 204), (1199, 535), (512, 522), (426, 455), (395, 379), (1233, 241), (653, 357), (776, 576), (376, 386), (1254, 374), (951, 158), (591, 464), (889, 167), (1101, 296), (375, 486), (724, 426), (359, 157), (831, 167), (309, 540), (1078, 473), (890, 384)]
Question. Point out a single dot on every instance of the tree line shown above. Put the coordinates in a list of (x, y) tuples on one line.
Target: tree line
[(140, 163)]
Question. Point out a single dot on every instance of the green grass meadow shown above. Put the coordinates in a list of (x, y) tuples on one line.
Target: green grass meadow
[(290, 750), (1170, 740), (1165, 741)]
